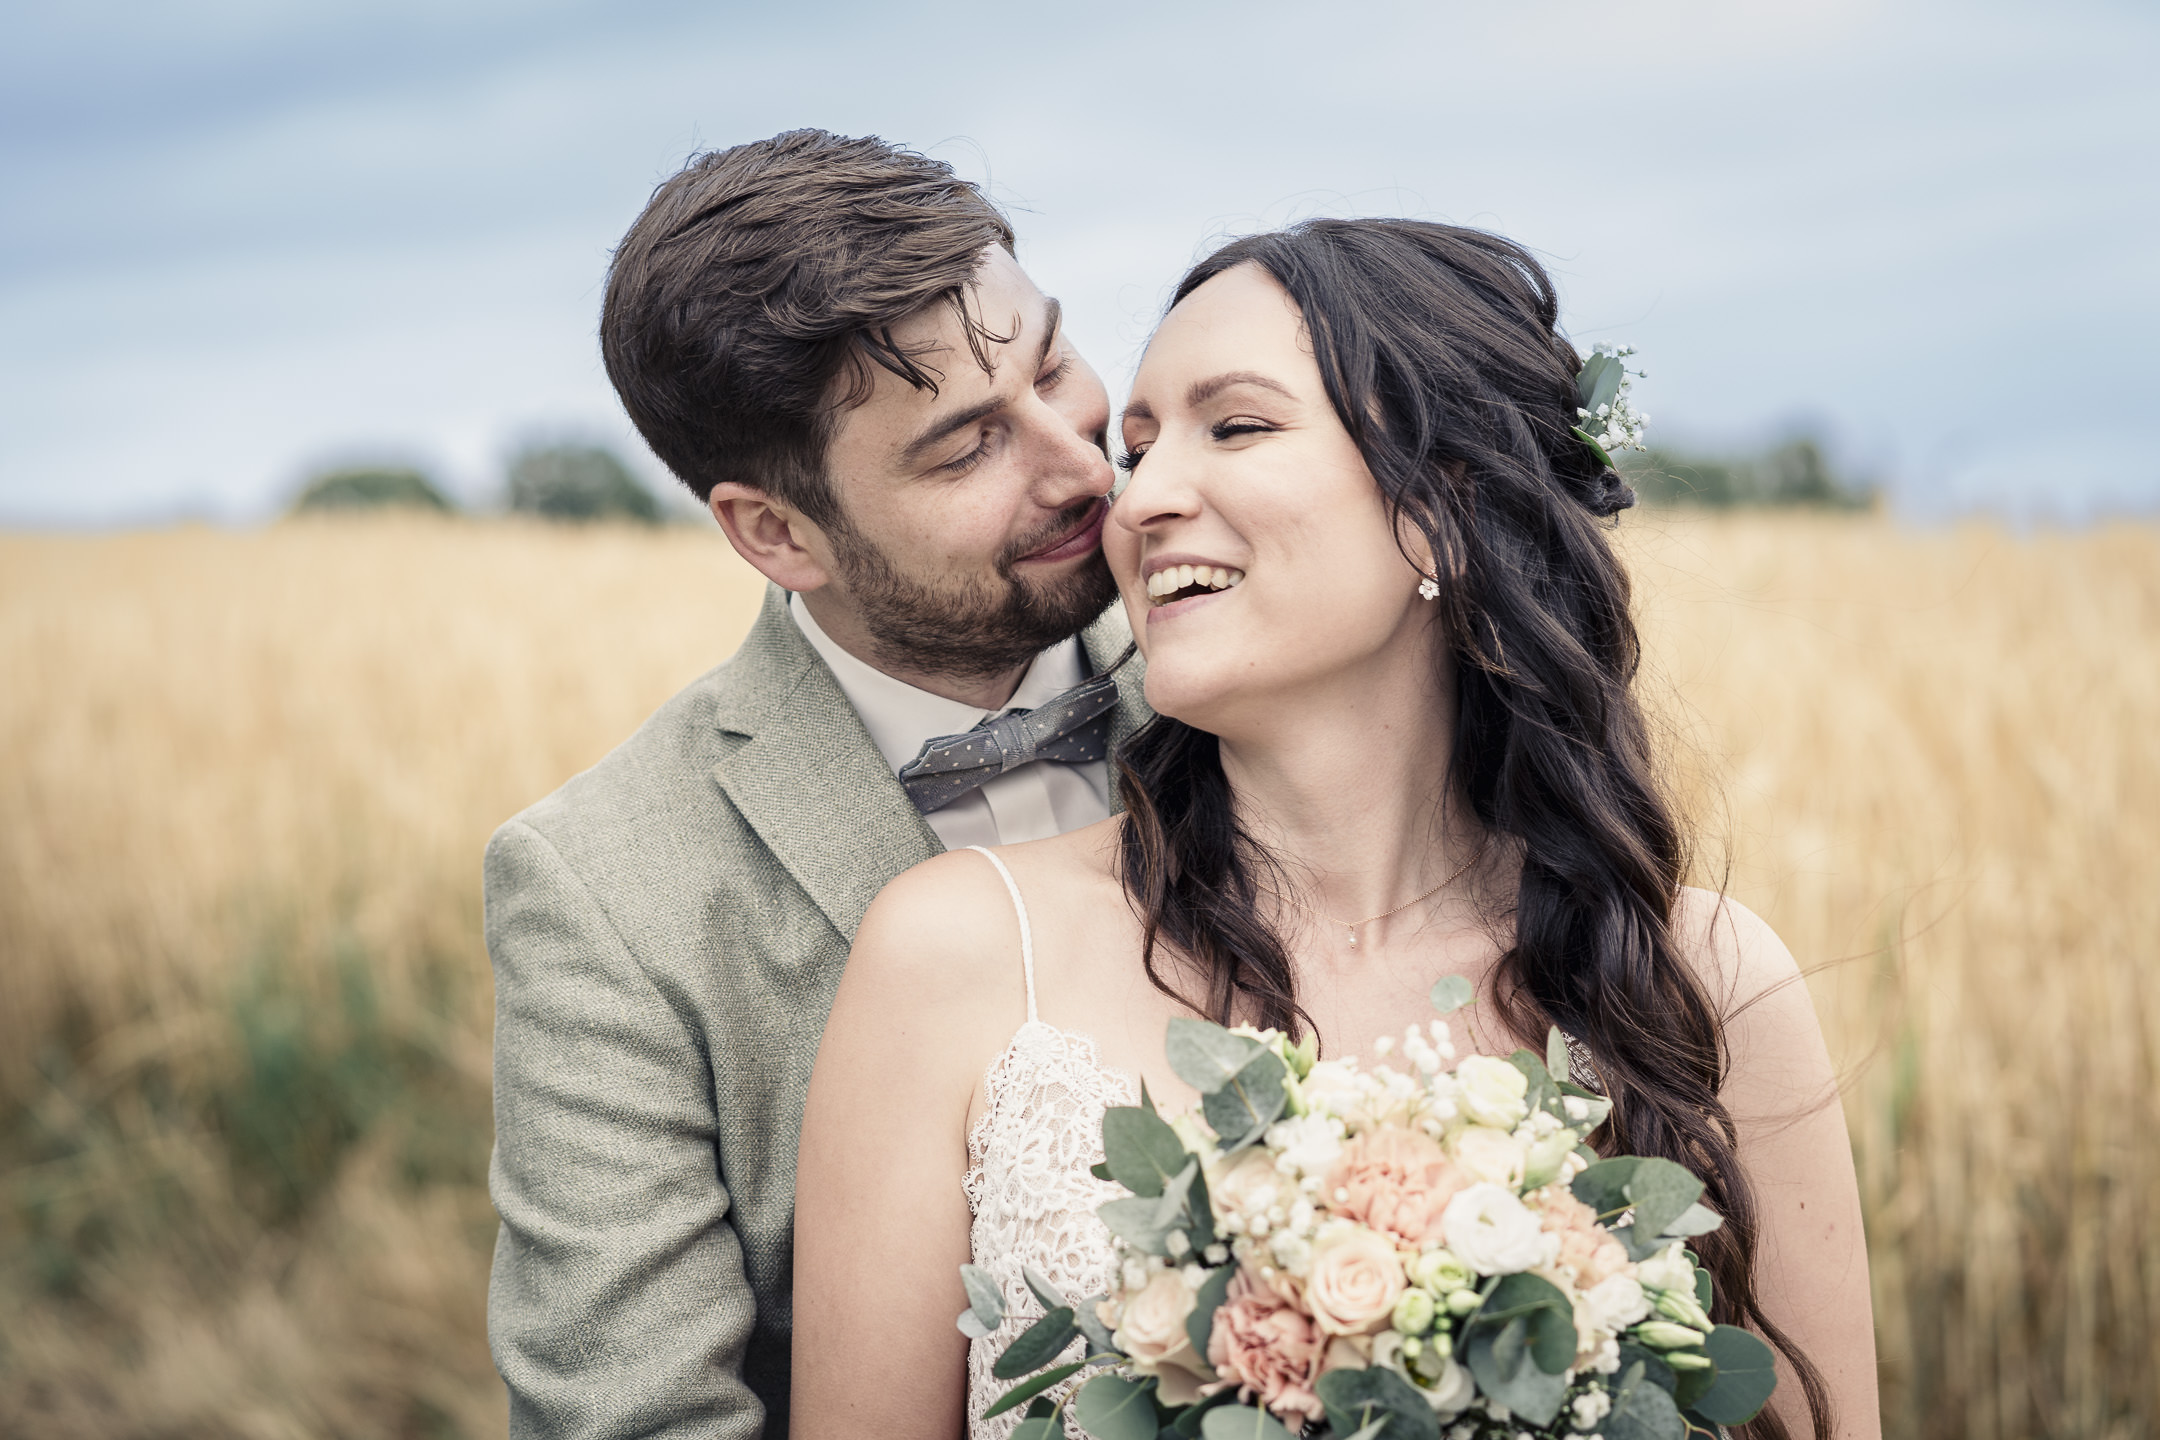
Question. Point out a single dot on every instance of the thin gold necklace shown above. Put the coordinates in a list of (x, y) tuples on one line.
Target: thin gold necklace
[(1351, 927)]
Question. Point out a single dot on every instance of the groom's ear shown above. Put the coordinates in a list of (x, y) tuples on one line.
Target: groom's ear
[(773, 536)]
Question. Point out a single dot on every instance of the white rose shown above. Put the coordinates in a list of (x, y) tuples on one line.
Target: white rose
[(1331, 1088), (1493, 1232), (1152, 1327), (1493, 1156), (1612, 1304), (1248, 1186), (1492, 1091), (1667, 1270), (1306, 1145)]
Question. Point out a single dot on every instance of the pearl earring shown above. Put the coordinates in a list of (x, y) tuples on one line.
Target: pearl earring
[(1428, 588)]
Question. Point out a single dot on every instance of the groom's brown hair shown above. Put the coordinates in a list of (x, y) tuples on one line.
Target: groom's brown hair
[(747, 302)]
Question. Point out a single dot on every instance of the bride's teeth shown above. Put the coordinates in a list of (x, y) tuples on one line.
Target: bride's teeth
[(1184, 576)]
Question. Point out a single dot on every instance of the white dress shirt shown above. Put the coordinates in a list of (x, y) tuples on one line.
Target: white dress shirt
[(1038, 800)]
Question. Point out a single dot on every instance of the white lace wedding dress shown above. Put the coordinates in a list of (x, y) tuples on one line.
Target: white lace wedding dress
[(1028, 1185)]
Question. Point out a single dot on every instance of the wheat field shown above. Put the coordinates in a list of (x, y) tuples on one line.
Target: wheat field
[(245, 779)]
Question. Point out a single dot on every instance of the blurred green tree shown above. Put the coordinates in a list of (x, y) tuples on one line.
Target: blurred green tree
[(578, 482), (369, 487), (1794, 473)]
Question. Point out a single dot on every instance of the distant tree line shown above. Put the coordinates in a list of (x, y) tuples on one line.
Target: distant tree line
[(1795, 473), (561, 482)]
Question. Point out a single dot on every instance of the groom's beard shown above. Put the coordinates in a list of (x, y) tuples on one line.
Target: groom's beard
[(974, 628)]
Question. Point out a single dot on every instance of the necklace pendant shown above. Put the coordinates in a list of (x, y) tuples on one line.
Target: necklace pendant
[(1353, 938)]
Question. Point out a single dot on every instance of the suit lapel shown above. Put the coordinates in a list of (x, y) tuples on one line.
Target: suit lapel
[(804, 773), (1104, 642)]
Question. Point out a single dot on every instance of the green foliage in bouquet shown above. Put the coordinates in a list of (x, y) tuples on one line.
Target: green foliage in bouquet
[(1665, 1370)]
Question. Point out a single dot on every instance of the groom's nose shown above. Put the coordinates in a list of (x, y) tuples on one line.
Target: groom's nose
[(1070, 463)]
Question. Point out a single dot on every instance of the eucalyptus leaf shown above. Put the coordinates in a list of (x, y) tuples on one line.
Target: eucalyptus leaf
[(1451, 992), (1111, 1407), (1636, 1357), (1697, 1219), (1599, 381), (1547, 1317), (1703, 1292), (1135, 1219), (1690, 1386), (1042, 1427), (985, 1300), (1091, 1328), (1242, 1422), (1248, 1102), (972, 1327), (1746, 1374), (1643, 1411), (1099, 1170), (1369, 1432), (1206, 1056), (1140, 1148), (1592, 441), (1661, 1193), (1043, 1290), (1556, 1054), (1027, 1390), (1603, 1187), (1541, 1093), (1200, 1325), (1358, 1399), (1037, 1345), (1500, 1361)]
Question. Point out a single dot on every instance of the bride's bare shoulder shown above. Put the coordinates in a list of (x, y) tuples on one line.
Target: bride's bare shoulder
[(1734, 952)]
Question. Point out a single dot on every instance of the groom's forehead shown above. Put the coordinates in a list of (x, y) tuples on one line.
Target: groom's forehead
[(1013, 326)]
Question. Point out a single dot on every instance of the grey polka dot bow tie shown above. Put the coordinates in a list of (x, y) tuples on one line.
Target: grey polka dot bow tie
[(1073, 729)]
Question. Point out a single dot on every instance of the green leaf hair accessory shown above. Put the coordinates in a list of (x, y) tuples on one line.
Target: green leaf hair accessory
[(1609, 420)]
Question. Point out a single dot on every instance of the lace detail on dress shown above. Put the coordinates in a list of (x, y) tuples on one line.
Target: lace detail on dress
[(1030, 1192)]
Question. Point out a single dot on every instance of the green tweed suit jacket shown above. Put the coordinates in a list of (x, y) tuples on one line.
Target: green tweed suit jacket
[(667, 930)]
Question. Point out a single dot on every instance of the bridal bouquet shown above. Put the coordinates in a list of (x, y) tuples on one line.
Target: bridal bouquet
[(1387, 1254)]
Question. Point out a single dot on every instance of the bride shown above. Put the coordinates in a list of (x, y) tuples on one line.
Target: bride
[(1389, 645)]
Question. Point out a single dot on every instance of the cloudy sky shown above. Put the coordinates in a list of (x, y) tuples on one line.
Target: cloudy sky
[(243, 239)]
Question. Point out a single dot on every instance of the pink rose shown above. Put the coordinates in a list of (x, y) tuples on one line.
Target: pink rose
[(1394, 1180), (1587, 1249), (1354, 1281), (1267, 1348), (1151, 1329)]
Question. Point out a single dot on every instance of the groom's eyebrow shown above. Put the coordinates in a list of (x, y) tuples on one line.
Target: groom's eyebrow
[(1053, 315)]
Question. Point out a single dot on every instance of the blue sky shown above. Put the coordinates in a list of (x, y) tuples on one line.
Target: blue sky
[(243, 239)]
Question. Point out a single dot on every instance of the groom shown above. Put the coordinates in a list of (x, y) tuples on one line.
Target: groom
[(828, 340)]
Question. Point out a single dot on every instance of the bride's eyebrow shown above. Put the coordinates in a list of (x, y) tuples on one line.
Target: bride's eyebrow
[(1203, 391)]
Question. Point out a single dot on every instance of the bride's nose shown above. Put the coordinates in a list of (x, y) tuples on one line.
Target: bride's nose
[(1157, 492)]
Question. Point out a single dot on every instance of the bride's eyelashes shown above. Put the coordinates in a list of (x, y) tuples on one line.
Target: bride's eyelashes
[(1221, 430)]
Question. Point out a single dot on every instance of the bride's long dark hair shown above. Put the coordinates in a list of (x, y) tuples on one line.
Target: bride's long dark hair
[(1440, 353)]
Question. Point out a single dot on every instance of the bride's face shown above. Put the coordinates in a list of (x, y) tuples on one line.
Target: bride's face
[(1245, 475)]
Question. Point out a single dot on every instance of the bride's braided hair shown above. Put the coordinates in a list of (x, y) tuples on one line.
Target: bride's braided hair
[(1440, 353)]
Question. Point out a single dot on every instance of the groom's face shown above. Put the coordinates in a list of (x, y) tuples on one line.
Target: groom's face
[(972, 518)]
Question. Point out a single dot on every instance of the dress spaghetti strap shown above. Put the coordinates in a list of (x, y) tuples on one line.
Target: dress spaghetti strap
[(1027, 937)]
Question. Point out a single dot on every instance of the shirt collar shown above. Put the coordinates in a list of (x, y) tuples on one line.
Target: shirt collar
[(901, 718)]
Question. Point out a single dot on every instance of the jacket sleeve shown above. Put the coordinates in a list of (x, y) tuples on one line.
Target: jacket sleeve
[(618, 1304)]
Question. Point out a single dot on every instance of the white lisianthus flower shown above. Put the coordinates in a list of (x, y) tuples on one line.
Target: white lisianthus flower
[(1492, 1092), (1612, 1304), (1493, 1156), (1452, 1393), (1492, 1231), (1669, 1269), (1307, 1144)]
